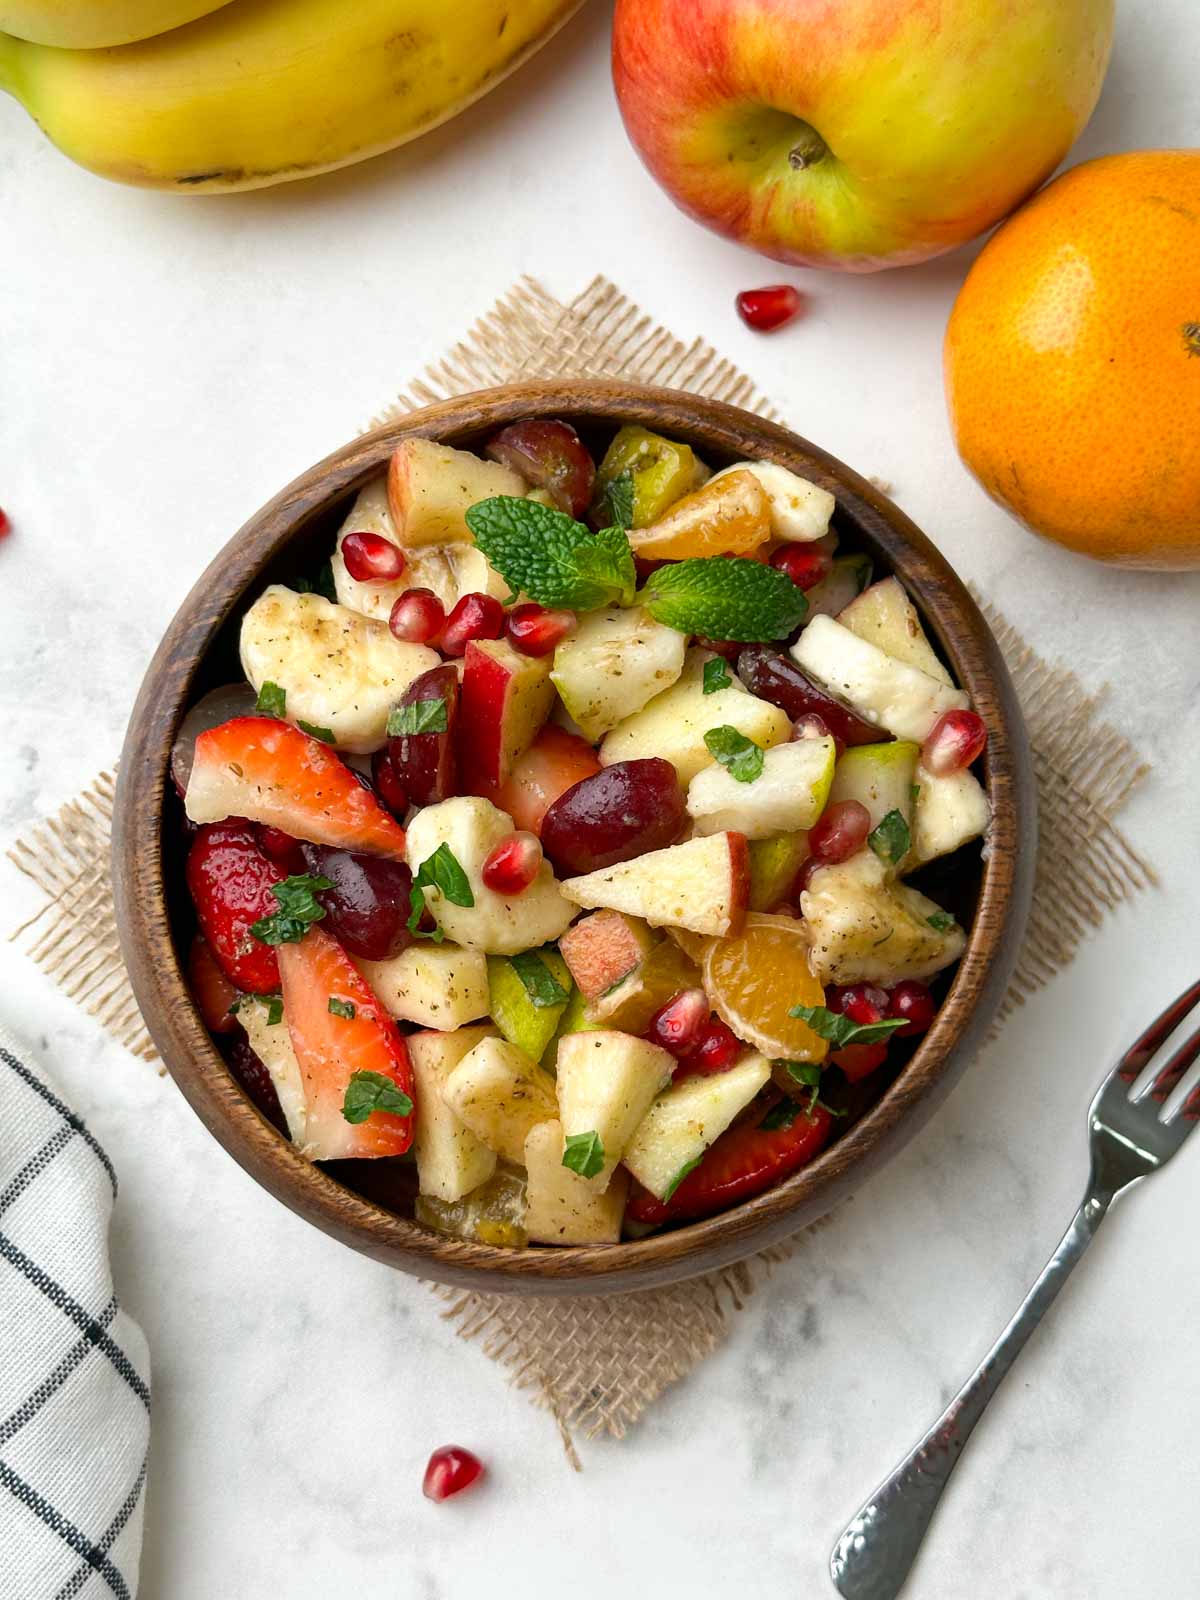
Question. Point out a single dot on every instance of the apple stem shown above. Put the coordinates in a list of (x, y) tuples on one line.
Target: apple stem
[(808, 149)]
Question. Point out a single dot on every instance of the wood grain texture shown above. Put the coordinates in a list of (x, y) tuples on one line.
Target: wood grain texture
[(293, 533)]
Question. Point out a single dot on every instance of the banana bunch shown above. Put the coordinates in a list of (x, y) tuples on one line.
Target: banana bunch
[(255, 92)]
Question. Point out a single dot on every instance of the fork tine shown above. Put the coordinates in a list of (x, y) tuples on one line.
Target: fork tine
[(1169, 1077), (1139, 1054)]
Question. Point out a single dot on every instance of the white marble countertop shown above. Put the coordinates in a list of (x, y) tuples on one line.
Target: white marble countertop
[(168, 364)]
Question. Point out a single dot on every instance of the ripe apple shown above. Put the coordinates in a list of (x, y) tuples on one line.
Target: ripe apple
[(859, 134)]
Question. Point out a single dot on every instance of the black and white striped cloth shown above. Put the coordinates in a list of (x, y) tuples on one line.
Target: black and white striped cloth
[(74, 1369)]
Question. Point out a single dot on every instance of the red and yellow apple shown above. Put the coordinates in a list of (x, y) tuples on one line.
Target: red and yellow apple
[(856, 134)]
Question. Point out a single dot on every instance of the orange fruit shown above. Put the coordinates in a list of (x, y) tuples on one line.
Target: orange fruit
[(754, 979), (1073, 361)]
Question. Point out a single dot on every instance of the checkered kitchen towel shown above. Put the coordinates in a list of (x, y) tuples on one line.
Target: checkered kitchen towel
[(74, 1370)]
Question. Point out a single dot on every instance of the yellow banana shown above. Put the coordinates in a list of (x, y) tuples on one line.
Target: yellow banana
[(263, 91), (89, 24)]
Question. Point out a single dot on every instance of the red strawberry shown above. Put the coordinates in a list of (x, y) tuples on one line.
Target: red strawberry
[(859, 1061), (264, 769), (742, 1163), (230, 881), (334, 1046), (211, 989)]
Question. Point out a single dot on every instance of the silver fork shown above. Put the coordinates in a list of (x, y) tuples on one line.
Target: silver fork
[(872, 1559)]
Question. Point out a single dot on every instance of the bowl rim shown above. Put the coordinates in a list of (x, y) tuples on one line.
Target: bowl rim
[(156, 966)]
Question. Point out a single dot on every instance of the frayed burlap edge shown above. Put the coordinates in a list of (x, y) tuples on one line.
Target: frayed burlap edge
[(596, 1363)]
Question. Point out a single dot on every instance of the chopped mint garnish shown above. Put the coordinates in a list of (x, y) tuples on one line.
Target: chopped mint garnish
[(341, 1008), (584, 1153), (841, 1031), (615, 505), (422, 716), (808, 1075), (891, 839), (542, 987), (324, 734), (272, 700), (942, 922), (688, 1166), (550, 556), (716, 675), (274, 1004), (725, 598), (373, 1091), (299, 908), (741, 757), (439, 871)]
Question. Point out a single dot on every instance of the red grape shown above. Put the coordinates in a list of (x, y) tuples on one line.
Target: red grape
[(387, 785), (423, 763), (914, 1002), (777, 678), (551, 456), (417, 617), (249, 1070), (476, 616), (956, 739), (840, 831), (370, 558), (368, 907), (621, 812)]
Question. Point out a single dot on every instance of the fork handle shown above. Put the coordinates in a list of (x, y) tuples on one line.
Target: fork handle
[(872, 1559)]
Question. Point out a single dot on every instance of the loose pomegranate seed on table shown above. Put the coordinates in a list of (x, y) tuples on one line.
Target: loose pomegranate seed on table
[(370, 558), (841, 830), (536, 631), (913, 1001), (805, 564), (956, 739), (769, 308), (450, 1470), (5, 522), (679, 1025), (417, 617), (476, 616), (513, 864)]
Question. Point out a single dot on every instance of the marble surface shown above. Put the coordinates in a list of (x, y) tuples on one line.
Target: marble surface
[(168, 364)]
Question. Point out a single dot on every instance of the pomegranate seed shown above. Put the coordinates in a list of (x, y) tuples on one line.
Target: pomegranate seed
[(513, 865), (841, 830), (535, 631), (451, 1470), (417, 617), (769, 308), (805, 564), (861, 1002), (717, 1050), (803, 879), (679, 1025), (476, 616), (387, 785), (370, 558), (5, 522), (956, 739), (914, 1002)]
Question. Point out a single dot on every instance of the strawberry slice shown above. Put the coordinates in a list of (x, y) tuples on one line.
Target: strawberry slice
[(230, 881), (264, 769), (211, 989), (750, 1157), (335, 1046)]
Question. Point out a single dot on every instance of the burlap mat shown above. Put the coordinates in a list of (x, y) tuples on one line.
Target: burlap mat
[(596, 1364)]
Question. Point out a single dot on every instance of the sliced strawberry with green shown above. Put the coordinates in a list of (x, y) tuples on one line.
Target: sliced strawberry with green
[(264, 769), (750, 1157), (230, 879), (859, 1061), (211, 989), (352, 1056)]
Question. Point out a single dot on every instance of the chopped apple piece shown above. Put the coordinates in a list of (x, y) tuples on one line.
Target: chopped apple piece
[(431, 487), (799, 510), (865, 929), (438, 986), (560, 1206), (774, 864), (730, 515), (615, 661), (878, 776), (604, 948), (686, 1118), (339, 671), (501, 1095), (654, 981), (505, 699), (883, 615), (701, 885), (887, 693), (674, 723), (951, 811), (272, 1044), (524, 1016), (500, 925), (788, 795), (451, 1161), (607, 1081)]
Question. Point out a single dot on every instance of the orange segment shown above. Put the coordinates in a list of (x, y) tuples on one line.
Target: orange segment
[(730, 516), (755, 979)]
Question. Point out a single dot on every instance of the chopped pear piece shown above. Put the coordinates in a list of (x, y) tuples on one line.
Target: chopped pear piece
[(272, 1044), (492, 1214), (560, 1206), (788, 795), (799, 510), (451, 1161), (615, 661), (527, 1022), (674, 723), (702, 884), (500, 1094), (883, 615), (439, 986), (774, 864), (951, 811), (603, 949), (606, 1083), (865, 929), (687, 1117), (432, 486), (573, 1020), (880, 777), (662, 470), (888, 693)]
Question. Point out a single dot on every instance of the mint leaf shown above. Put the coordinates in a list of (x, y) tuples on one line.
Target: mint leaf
[(373, 1091), (891, 839), (808, 1075), (615, 505), (322, 584), (781, 1116), (725, 598), (840, 1030), (439, 871), (542, 987), (341, 1008), (716, 675), (299, 908), (324, 734), (272, 700), (421, 716), (688, 1166), (584, 1153), (274, 1004), (942, 922), (741, 757), (553, 558)]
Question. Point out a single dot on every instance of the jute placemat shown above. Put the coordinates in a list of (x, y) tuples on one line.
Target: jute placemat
[(596, 1364)]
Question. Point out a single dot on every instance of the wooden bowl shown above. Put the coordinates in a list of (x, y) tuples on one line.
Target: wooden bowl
[(294, 533)]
